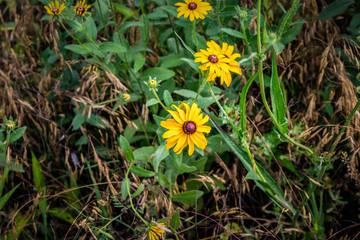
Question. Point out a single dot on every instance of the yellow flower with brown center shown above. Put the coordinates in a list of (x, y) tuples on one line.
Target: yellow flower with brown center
[(155, 232), (187, 128), (55, 8), (219, 61), (81, 8), (193, 9)]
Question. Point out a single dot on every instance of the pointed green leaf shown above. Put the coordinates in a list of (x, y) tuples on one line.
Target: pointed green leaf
[(125, 146), (141, 172), (15, 135), (38, 176), (160, 154), (6, 197), (277, 98), (188, 197)]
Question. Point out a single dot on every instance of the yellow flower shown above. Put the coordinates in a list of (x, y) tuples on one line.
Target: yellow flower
[(186, 128), (219, 61), (155, 232), (80, 8), (126, 97), (193, 8), (227, 51), (55, 8)]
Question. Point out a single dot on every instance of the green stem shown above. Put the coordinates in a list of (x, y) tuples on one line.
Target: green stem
[(194, 33), (157, 97), (130, 198), (238, 133), (78, 41), (263, 96), (201, 86), (91, 40), (105, 102), (6, 165), (102, 19), (218, 13)]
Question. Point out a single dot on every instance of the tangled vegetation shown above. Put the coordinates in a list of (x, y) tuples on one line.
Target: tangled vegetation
[(179, 119)]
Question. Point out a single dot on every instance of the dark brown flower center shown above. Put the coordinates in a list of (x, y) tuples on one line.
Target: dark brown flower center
[(81, 9), (213, 58), (55, 10), (189, 127), (192, 6)]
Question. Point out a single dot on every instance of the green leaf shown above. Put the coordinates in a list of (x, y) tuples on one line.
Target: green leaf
[(186, 93), (151, 102), (167, 98), (138, 191), (38, 176), (175, 220), (335, 8), (6, 197), (278, 46), (78, 120), (188, 197), (124, 191), (158, 72), (233, 32), (139, 61), (287, 18), (141, 172), (112, 47), (61, 214), (143, 153), (290, 34), (15, 135), (185, 45), (270, 187), (160, 154), (191, 63), (171, 61), (252, 175), (125, 146), (277, 98), (90, 28), (85, 49), (183, 168), (98, 121)]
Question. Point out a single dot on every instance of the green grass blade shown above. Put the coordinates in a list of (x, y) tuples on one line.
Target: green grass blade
[(6, 197)]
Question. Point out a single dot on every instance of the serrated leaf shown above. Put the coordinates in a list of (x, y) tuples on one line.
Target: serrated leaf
[(160, 154), (15, 135), (38, 176), (141, 172), (167, 98), (188, 197), (125, 146)]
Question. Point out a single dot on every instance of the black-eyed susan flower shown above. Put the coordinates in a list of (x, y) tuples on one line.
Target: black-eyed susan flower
[(193, 9), (55, 8), (219, 61), (81, 8), (186, 128), (155, 232)]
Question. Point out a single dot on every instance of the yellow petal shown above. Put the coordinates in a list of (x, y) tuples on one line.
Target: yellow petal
[(182, 141), (176, 116), (191, 146), (170, 142), (203, 128), (172, 132), (199, 139)]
